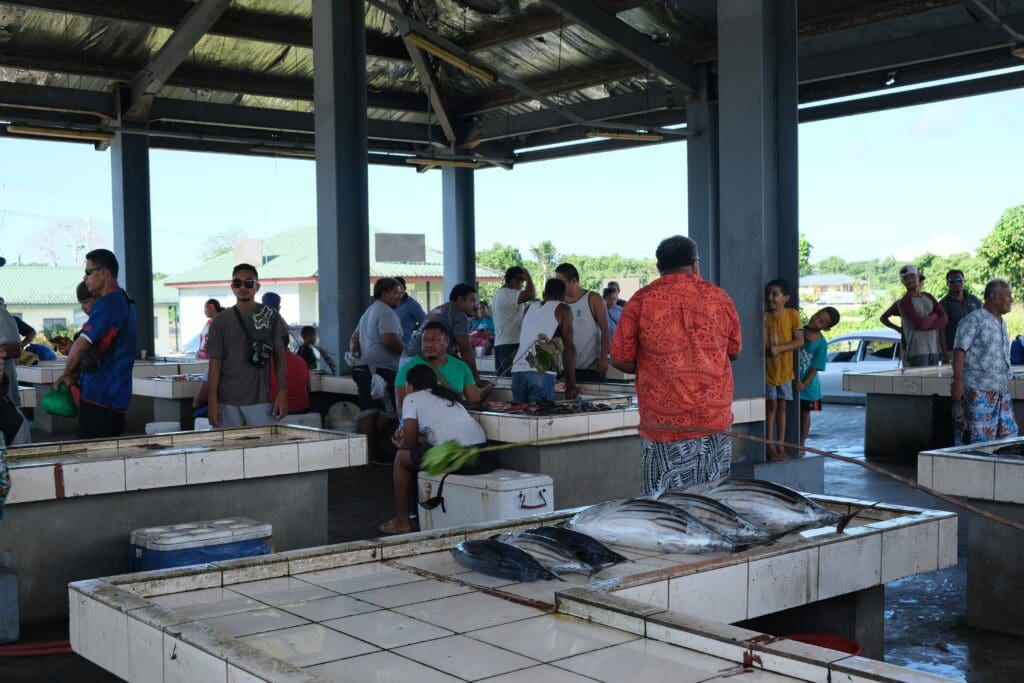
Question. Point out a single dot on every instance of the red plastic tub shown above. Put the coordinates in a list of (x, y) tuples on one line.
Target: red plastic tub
[(831, 642)]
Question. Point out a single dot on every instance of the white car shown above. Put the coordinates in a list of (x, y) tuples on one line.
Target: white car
[(857, 352)]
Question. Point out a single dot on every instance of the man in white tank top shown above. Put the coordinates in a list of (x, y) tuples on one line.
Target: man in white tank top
[(590, 324), (551, 318)]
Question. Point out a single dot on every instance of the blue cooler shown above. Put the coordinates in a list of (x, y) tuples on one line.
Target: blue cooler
[(179, 545)]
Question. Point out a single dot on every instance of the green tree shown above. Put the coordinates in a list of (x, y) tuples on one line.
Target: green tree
[(805, 255), (500, 257), (1002, 251), (546, 257), (221, 243)]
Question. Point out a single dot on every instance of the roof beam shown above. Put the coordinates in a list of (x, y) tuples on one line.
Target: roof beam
[(147, 83), (201, 78), (630, 42), (236, 22)]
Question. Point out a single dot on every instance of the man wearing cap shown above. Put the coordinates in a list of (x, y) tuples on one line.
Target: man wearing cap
[(922, 320), (507, 307)]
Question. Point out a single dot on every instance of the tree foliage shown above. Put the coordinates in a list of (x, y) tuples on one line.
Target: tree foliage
[(1002, 251), (499, 257), (805, 255), (220, 243), (545, 257)]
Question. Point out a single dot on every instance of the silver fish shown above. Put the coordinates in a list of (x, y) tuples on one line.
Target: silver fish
[(648, 525), (582, 546), (773, 507), (718, 516), (500, 559), (551, 554)]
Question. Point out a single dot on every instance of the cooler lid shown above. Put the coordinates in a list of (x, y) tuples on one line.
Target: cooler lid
[(198, 534), (498, 480)]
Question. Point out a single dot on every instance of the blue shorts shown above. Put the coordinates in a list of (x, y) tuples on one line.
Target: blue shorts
[(530, 386), (784, 391)]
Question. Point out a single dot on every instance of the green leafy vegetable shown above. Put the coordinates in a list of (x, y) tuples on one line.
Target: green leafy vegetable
[(448, 457)]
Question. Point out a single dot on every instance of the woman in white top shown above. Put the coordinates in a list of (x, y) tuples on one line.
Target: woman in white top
[(431, 415), (211, 308)]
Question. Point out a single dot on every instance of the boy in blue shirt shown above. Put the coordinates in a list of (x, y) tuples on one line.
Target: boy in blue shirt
[(812, 358)]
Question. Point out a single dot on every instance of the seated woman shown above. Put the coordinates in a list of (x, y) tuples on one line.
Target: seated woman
[(481, 328), (431, 414)]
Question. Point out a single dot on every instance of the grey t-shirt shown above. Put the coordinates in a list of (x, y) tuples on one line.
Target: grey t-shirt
[(921, 342), (243, 384), (449, 315), (377, 320)]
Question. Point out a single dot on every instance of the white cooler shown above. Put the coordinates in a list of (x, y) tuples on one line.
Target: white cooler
[(471, 499)]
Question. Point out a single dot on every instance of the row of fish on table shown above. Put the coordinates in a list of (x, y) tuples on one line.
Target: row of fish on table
[(725, 516)]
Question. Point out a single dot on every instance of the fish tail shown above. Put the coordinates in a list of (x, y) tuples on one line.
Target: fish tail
[(846, 519)]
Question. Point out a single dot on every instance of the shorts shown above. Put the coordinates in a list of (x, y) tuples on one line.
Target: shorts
[(98, 422), (678, 465), (504, 355), (783, 391), (255, 415), (529, 386), (808, 406), (364, 382)]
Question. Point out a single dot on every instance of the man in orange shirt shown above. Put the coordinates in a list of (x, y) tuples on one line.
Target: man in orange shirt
[(679, 335)]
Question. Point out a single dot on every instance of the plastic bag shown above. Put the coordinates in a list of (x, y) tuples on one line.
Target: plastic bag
[(60, 402), (378, 387)]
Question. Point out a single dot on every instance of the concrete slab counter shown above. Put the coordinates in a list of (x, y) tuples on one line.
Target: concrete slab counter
[(909, 410), (995, 552), (73, 504), (403, 609)]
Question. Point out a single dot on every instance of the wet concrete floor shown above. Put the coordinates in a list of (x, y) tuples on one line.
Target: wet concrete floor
[(923, 625)]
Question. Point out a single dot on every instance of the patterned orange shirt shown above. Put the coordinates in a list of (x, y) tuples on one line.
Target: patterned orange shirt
[(680, 330)]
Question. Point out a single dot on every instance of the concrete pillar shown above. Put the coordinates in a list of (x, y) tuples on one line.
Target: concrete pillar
[(702, 178), (459, 227), (133, 236), (343, 232), (757, 168)]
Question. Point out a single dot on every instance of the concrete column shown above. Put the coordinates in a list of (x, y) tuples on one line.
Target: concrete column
[(133, 237), (757, 166), (459, 227), (343, 232), (702, 179)]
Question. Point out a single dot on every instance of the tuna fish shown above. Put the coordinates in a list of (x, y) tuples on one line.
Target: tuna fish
[(648, 525), (718, 516), (1010, 449), (551, 554), (775, 508), (500, 559), (582, 546)]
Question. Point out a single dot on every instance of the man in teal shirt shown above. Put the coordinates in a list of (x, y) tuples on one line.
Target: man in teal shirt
[(452, 372)]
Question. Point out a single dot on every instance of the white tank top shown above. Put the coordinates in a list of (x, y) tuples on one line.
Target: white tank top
[(539, 319), (585, 333)]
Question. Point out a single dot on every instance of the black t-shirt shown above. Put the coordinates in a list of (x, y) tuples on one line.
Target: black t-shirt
[(305, 352)]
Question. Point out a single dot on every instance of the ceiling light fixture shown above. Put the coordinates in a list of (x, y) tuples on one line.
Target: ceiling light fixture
[(283, 152), (625, 135), (85, 135), (450, 57), (890, 79), (435, 161)]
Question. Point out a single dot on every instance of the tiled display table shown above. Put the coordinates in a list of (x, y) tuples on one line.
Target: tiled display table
[(585, 466), (401, 609), (171, 395), (73, 504), (27, 395), (995, 552), (909, 410)]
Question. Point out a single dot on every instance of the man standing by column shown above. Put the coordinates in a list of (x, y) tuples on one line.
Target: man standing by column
[(590, 326), (678, 335), (982, 408), (104, 352), (508, 307), (957, 304), (242, 341)]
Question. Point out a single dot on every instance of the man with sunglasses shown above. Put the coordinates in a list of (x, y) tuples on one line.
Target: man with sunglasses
[(107, 384), (242, 340), (957, 303)]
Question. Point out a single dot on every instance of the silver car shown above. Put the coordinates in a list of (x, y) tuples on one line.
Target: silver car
[(857, 352)]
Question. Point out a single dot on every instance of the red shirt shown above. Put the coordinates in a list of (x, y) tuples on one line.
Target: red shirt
[(297, 373), (680, 330)]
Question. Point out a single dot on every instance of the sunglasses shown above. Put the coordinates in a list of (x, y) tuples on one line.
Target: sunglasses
[(955, 279), (90, 271), (248, 283)]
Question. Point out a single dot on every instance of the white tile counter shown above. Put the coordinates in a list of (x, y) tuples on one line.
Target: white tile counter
[(403, 609)]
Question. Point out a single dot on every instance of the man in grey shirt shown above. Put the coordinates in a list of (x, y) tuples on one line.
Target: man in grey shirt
[(454, 315), (239, 374)]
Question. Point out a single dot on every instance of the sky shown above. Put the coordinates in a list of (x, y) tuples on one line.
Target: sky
[(928, 178)]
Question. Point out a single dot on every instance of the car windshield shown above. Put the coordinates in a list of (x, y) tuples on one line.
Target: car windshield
[(843, 350), (879, 349)]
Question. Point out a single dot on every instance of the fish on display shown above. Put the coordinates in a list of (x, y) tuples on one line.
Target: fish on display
[(648, 525), (551, 554), (505, 561), (589, 550), (1010, 449), (775, 508), (718, 516)]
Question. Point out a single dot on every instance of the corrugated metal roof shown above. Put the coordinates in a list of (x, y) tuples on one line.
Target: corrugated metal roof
[(292, 255), (55, 285)]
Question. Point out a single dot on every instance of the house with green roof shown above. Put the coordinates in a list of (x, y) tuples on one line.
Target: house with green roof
[(44, 297), (287, 264)]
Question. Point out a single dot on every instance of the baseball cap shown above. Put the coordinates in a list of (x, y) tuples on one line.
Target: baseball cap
[(910, 268), (272, 300)]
